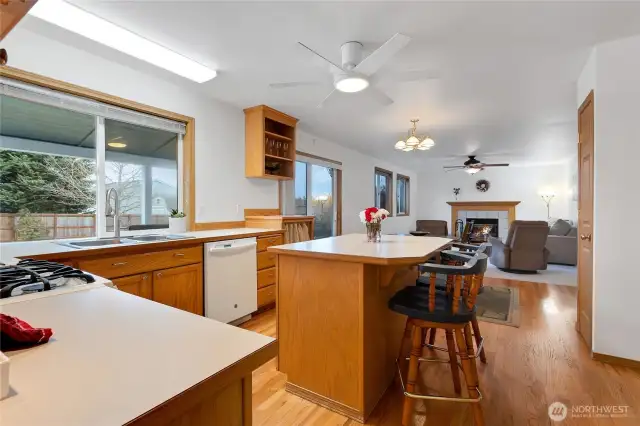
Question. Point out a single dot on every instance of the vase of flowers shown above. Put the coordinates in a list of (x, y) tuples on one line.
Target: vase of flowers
[(372, 218), (177, 222)]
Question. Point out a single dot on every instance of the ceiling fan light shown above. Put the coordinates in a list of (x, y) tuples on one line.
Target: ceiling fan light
[(423, 147), (352, 84), (407, 149), (400, 145), (472, 171), (428, 142), (413, 141)]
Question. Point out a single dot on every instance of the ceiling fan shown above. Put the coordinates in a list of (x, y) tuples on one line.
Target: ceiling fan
[(472, 165), (356, 74)]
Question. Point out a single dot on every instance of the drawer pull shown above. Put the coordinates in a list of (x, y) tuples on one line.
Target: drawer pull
[(159, 274), (144, 277), (119, 264), (179, 254)]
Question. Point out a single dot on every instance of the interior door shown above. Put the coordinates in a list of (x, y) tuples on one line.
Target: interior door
[(585, 218)]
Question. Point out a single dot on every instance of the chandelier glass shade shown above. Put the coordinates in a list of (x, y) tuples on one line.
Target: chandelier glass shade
[(414, 142)]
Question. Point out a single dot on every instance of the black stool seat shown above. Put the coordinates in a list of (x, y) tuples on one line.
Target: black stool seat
[(414, 303)]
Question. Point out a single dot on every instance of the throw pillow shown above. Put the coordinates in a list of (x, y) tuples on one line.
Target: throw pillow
[(561, 227)]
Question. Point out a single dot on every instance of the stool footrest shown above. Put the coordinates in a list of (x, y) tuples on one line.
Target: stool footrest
[(435, 397)]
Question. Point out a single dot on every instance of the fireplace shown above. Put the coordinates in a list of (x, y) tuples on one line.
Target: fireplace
[(482, 228)]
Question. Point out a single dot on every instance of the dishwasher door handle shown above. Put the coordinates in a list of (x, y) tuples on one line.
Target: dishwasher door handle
[(232, 249)]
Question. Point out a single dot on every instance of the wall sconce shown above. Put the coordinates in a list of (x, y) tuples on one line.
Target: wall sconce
[(547, 200)]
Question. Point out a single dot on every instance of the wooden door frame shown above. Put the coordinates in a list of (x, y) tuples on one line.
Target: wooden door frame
[(188, 140), (589, 100)]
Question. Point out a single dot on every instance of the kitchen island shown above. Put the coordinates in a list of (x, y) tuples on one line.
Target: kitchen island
[(337, 339), (117, 359)]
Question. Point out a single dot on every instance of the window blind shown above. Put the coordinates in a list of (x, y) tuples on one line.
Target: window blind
[(32, 93)]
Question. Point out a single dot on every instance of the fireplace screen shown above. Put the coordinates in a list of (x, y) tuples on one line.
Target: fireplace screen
[(482, 229)]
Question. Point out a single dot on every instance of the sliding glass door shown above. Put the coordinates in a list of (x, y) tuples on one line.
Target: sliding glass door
[(315, 194)]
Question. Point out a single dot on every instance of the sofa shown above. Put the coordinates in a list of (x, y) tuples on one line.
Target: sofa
[(524, 249), (562, 242), (435, 228)]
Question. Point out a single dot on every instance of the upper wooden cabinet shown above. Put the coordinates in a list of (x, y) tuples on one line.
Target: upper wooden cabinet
[(270, 143), (11, 12)]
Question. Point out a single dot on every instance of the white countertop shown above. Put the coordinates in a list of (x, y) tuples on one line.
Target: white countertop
[(113, 357), (10, 251), (354, 247)]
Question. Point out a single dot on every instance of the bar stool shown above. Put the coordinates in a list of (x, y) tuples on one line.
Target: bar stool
[(444, 284), (427, 308)]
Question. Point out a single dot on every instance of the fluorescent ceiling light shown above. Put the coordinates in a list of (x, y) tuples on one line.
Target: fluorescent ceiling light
[(74, 19)]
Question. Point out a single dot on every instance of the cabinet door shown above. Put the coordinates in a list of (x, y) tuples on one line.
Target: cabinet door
[(11, 13), (139, 285), (180, 287)]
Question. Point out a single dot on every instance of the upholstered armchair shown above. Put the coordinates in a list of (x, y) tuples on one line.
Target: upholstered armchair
[(435, 228), (524, 249)]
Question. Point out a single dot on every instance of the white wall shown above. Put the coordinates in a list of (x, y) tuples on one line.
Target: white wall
[(357, 178), (617, 124), (514, 183), (222, 191)]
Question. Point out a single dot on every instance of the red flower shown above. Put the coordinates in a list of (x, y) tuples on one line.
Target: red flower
[(368, 212)]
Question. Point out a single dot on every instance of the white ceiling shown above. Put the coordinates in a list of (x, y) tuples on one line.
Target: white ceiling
[(507, 71)]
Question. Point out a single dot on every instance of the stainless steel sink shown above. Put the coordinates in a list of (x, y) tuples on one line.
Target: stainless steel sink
[(102, 242), (168, 237)]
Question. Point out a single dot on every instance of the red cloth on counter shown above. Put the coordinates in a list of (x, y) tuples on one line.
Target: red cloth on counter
[(17, 334)]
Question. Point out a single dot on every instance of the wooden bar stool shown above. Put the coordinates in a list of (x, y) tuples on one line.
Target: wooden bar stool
[(444, 284), (427, 308)]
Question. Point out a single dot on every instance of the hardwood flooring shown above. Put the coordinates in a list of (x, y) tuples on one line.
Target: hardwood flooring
[(528, 368)]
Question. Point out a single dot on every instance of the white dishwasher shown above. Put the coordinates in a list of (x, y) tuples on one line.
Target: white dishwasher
[(230, 279)]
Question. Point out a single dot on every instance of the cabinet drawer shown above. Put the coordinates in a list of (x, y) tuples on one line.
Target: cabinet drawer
[(265, 242), (266, 295), (118, 266), (266, 260), (266, 277), (139, 285)]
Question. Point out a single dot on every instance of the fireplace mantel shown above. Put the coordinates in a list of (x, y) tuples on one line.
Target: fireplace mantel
[(487, 206)]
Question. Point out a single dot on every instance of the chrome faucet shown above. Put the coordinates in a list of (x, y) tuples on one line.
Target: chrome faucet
[(113, 211)]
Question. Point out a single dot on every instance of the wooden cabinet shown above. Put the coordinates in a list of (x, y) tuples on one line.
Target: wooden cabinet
[(180, 287), (173, 277), (270, 143), (267, 270), (119, 266), (11, 13)]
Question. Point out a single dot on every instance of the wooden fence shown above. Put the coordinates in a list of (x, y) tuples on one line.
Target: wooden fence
[(63, 225)]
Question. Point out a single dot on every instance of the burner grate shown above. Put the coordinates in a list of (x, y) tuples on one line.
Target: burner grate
[(36, 275)]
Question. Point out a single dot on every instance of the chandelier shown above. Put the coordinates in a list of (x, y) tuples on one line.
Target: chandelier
[(414, 142)]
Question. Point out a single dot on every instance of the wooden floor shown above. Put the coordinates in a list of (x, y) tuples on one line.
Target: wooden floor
[(528, 368)]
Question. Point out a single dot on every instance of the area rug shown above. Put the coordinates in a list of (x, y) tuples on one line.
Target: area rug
[(555, 274), (500, 305)]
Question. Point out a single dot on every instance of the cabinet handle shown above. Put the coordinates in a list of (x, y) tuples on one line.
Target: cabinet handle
[(119, 264), (159, 274), (144, 277), (179, 254)]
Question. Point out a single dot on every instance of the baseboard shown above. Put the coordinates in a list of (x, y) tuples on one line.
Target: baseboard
[(323, 401), (610, 359)]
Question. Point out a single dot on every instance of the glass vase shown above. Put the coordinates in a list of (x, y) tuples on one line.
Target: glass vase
[(374, 232)]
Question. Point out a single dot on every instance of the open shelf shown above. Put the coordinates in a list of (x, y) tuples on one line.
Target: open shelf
[(277, 136), (275, 157), (270, 143)]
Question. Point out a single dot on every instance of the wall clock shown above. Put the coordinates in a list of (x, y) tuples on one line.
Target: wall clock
[(483, 185)]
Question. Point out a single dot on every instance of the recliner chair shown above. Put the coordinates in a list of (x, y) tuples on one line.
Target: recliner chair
[(524, 249)]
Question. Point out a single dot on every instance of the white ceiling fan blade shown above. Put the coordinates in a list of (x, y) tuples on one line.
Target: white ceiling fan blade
[(336, 67), (321, 104), (379, 57), (418, 75), (379, 96), (454, 167), (295, 84)]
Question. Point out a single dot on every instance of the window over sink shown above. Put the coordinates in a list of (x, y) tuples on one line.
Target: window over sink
[(60, 154)]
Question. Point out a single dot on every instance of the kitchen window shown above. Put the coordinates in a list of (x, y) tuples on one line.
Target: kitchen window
[(402, 195), (60, 154), (383, 182)]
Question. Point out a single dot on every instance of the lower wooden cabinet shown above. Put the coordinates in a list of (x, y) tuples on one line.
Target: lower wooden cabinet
[(180, 287), (139, 285)]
